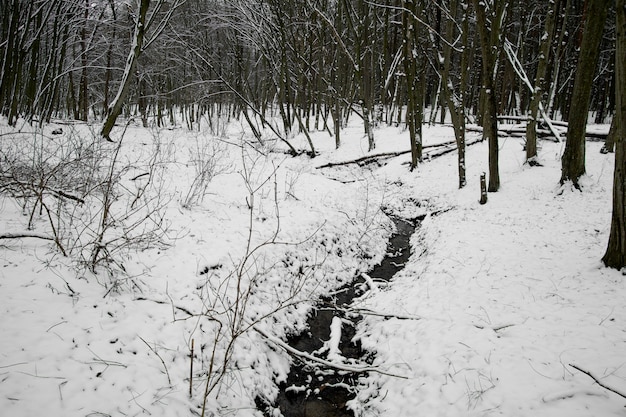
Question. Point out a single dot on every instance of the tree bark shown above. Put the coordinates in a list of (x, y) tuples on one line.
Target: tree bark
[(115, 108), (414, 82), (454, 101), (609, 142), (489, 32), (615, 256), (540, 84), (573, 159)]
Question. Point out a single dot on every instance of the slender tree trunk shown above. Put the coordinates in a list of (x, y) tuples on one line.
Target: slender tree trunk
[(364, 68), (454, 101), (562, 13), (115, 108), (9, 67), (107, 71), (609, 143), (410, 70), (615, 256), (573, 159), (83, 96), (539, 88)]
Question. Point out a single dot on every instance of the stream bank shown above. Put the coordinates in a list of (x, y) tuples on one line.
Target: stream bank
[(312, 390)]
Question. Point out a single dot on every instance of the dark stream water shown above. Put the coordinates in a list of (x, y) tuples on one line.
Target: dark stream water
[(312, 391)]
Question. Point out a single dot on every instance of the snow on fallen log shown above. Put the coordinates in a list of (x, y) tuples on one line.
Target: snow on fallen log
[(334, 353), (370, 282), (329, 364)]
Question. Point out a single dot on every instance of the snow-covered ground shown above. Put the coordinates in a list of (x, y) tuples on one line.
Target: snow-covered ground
[(496, 304)]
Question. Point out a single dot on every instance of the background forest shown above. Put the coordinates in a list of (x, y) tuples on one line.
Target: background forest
[(307, 61)]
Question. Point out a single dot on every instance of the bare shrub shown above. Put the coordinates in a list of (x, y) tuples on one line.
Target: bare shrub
[(206, 156), (76, 190)]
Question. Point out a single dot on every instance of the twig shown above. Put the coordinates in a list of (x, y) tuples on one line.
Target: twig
[(494, 328), (183, 309), (191, 370), (169, 381), (308, 356), (597, 381)]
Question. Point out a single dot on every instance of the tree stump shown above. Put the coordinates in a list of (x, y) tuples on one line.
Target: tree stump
[(483, 189)]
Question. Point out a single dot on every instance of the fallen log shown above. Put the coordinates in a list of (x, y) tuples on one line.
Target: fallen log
[(526, 119), (542, 133), (445, 147)]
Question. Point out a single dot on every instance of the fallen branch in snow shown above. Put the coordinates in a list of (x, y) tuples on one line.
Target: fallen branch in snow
[(562, 395), (447, 146), (520, 131), (328, 364), (183, 309), (364, 159), (25, 235), (370, 282), (597, 381), (494, 328), (368, 312), (519, 70), (527, 118), (169, 380)]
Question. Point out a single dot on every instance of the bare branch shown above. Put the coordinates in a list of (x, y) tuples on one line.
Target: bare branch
[(597, 381)]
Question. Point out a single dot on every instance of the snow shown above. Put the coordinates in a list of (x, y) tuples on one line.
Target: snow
[(495, 304), (334, 353)]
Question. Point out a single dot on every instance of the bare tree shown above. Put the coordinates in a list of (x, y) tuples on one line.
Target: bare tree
[(157, 20)]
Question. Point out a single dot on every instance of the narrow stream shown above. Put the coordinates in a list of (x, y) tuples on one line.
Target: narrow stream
[(311, 391)]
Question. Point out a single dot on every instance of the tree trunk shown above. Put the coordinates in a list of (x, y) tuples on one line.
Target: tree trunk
[(489, 32), (115, 108), (364, 51), (609, 142), (573, 159), (454, 101), (615, 256), (539, 87), (83, 95), (410, 69)]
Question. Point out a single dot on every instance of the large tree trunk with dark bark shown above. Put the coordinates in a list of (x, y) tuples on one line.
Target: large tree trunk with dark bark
[(573, 159), (615, 256), (489, 31)]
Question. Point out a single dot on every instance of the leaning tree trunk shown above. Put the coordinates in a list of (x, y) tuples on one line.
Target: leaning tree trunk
[(573, 159), (615, 256), (115, 108)]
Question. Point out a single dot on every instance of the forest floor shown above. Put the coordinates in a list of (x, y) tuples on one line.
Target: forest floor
[(499, 310)]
